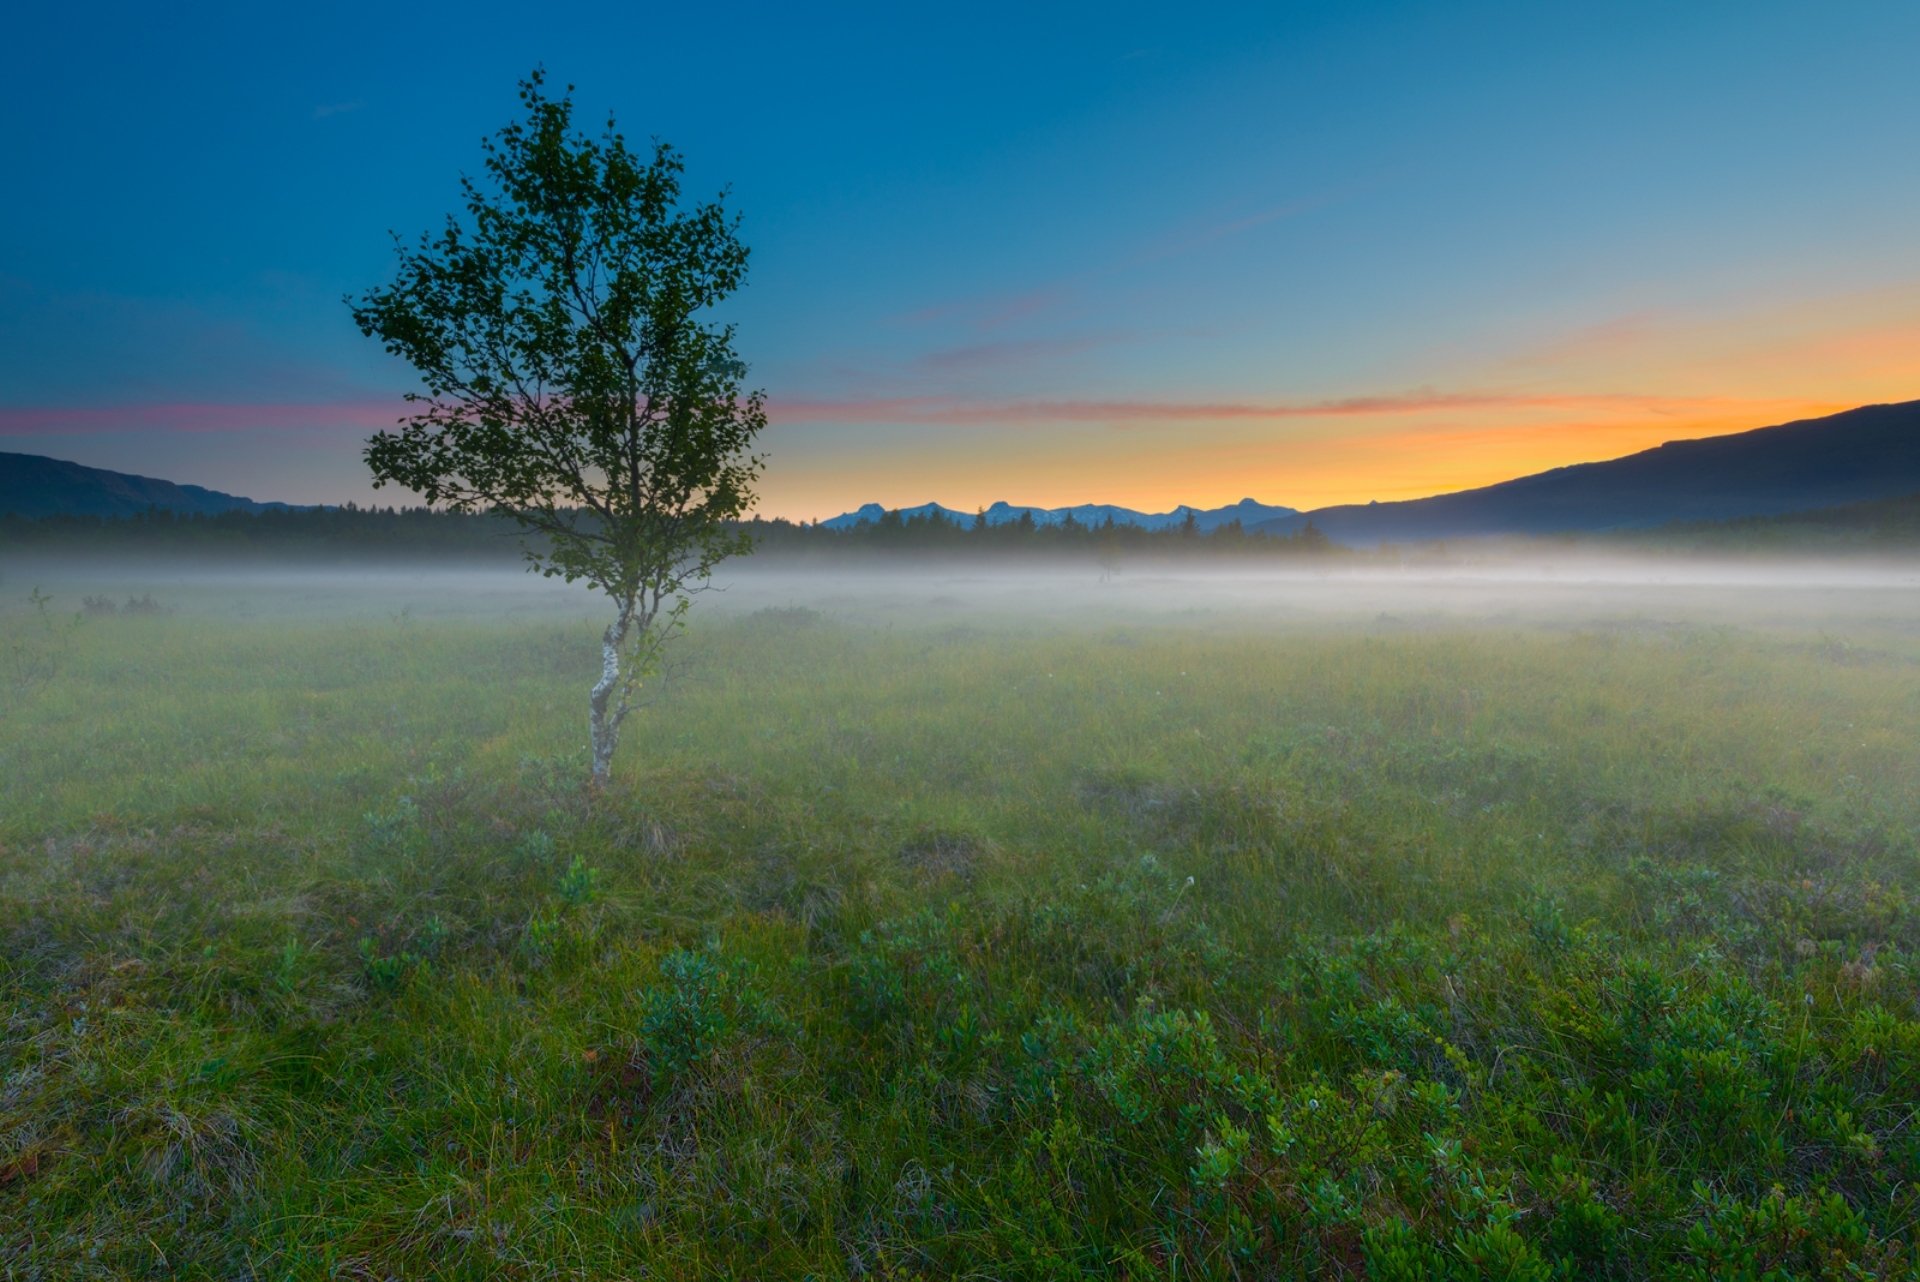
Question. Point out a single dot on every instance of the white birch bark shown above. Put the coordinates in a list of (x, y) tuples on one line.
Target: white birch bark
[(607, 703)]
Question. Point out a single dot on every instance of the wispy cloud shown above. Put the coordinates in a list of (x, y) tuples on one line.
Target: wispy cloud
[(960, 411), (336, 109), (197, 417)]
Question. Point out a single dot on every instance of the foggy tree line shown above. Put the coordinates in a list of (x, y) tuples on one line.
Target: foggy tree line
[(357, 532), (933, 531)]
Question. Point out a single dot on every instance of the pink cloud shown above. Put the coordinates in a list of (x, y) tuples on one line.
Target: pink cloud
[(362, 416), (192, 417), (959, 411)]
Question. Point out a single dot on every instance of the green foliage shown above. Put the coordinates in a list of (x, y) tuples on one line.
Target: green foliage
[(386, 972), (394, 829), (571, 382), (537, 847), (702, 1003), (580, 883)]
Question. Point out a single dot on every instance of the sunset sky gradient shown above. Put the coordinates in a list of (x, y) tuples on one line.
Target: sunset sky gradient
[(1148, 255)]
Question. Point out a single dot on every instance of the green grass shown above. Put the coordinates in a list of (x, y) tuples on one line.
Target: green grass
[(961, 950)]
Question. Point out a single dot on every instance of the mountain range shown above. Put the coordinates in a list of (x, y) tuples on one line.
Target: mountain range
[(1856, 456), (1247, 511)]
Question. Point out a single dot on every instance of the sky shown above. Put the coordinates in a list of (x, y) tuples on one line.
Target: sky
[(1051, 254)]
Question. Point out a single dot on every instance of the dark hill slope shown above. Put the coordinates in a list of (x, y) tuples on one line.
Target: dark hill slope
[(33, 485), (1861, 454)]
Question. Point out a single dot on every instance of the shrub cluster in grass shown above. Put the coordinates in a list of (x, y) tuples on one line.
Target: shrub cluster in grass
[(1381, 987), (104, 607), (1060, 1085)]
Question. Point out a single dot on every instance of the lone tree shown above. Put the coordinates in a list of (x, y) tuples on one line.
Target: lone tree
[(575, 380)]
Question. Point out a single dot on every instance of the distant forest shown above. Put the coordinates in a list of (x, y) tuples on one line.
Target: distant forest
[(377, 533), (1877, 525)]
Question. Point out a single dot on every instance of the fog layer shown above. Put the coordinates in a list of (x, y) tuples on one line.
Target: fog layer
[(1569, 591)]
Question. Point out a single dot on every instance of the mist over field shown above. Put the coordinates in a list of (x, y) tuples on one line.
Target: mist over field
[(1513, 911), (1499, 586)]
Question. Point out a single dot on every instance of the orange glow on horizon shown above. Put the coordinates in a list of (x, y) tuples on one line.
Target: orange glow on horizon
[(1326, 465), (1543, 406)]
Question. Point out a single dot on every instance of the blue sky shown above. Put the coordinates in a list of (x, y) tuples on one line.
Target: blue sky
[(1143, 254)]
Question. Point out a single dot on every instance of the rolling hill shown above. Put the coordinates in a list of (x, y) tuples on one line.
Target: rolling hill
[(33, 485)]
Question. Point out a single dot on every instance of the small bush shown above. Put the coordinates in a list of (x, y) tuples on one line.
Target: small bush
[(703, 1004), (386, 972), (579, 885)]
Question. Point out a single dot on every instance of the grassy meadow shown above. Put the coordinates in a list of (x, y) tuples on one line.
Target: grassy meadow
[(1163, 939)]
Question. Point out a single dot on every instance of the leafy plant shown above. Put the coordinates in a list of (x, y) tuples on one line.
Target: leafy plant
[(702, 1003), (580, 883)]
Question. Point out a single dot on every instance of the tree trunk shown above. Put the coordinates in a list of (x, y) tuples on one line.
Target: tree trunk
[(606, 711)]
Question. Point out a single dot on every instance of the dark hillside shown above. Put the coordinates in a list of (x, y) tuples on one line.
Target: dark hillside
[(33, 485)]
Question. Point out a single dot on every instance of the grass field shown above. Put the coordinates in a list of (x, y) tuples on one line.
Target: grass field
[(1504, 941)]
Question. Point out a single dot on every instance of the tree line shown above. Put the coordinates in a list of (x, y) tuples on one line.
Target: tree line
[(933, 531), (354, 532)]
